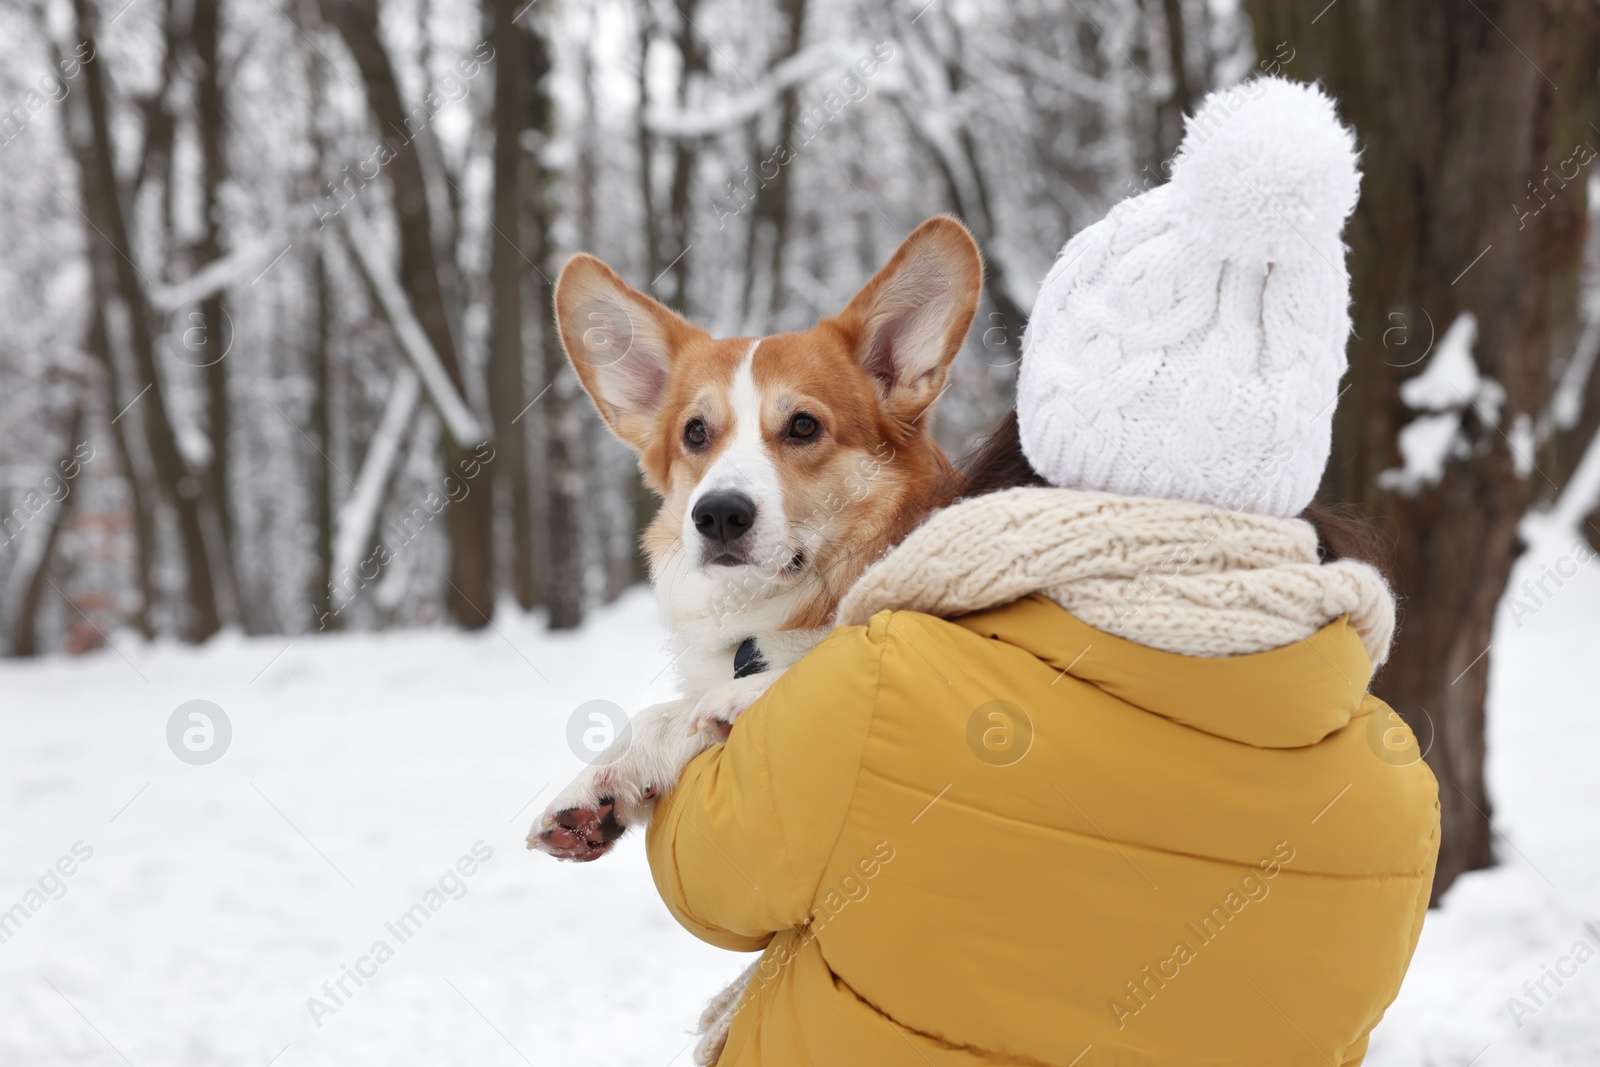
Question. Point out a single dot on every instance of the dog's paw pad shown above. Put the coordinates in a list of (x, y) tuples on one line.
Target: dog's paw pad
[(580, 834)]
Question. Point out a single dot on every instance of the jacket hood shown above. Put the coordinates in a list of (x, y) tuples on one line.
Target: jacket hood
[(1287, 697)]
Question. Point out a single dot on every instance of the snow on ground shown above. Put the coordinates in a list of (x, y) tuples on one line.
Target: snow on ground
[(216, 900), (362, 768), (1520, 922)]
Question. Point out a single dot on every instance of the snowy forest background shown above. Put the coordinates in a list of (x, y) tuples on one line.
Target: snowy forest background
[(276, 277)]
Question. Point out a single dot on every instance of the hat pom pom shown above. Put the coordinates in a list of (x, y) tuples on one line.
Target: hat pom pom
[(1269, 170)]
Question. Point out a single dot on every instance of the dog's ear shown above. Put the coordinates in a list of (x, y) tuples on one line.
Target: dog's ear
[(910, 320), (620, 342)]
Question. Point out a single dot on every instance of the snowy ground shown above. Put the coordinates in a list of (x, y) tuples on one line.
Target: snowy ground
[(1520, 922), (362, 769)]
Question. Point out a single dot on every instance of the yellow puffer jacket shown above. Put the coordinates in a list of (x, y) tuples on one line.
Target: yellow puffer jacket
[(1013, 838)]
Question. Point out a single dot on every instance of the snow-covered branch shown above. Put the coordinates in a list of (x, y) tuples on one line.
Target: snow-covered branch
[(934, 111), (1566, 403), (735, 111), (358, 517), (1449, 385), (1580, 497), (459, 421), (250, 259)]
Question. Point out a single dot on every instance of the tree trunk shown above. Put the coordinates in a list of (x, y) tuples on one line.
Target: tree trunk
[(768, 232), (212, 128), (563, 556), (23, 639), (966, 187), (507, 386), (320, 352), (103, 209), (610, 510), (641, 501), (693, 63), (135, 477), (470, 596), (654, 262), (1456, 121), (322, 499), (1180, 102)]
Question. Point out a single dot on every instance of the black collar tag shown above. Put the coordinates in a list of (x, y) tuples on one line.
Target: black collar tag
[(747, 660)]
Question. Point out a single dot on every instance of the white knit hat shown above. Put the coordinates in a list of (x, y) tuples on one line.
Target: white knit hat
[(1190, 344)]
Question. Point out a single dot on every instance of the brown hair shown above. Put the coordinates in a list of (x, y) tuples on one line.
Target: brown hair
[(997, 463)]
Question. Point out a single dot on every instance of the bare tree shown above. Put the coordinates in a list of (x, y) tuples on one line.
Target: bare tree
[(676, 235), (562, 554), (102, 289), (320, 350), (211, 127), (23, 635), (1180, 100), (1460, 105), (137, 479), (666, 217), (103, 208), (470, 596), (767, 236), (949, 142), (507, 269), (320, 356)]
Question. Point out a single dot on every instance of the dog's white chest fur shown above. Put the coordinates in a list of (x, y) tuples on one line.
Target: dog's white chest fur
[(783, 462)]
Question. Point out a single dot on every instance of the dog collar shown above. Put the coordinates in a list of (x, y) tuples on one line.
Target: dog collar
[(747, 660)]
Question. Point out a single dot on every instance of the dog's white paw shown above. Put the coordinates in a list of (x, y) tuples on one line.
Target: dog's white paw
[(588, 817), (715, 712)]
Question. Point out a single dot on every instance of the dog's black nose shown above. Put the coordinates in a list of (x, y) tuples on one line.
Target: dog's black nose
[(724, 516)]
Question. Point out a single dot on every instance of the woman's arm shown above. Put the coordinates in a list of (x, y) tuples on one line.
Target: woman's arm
[(739, 847)]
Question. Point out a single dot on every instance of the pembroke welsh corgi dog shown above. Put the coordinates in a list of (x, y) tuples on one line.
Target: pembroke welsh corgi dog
[(785, 465)]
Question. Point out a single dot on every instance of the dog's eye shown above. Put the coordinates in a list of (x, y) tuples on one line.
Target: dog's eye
[(803, 426), (694, 434)]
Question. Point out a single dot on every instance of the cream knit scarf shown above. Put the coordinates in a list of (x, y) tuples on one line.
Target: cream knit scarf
[(1181, 577)]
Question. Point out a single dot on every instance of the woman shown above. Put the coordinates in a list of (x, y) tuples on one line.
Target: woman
[(1089, 774)]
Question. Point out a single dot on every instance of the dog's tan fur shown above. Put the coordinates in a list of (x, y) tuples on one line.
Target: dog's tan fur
[(824, 504)]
